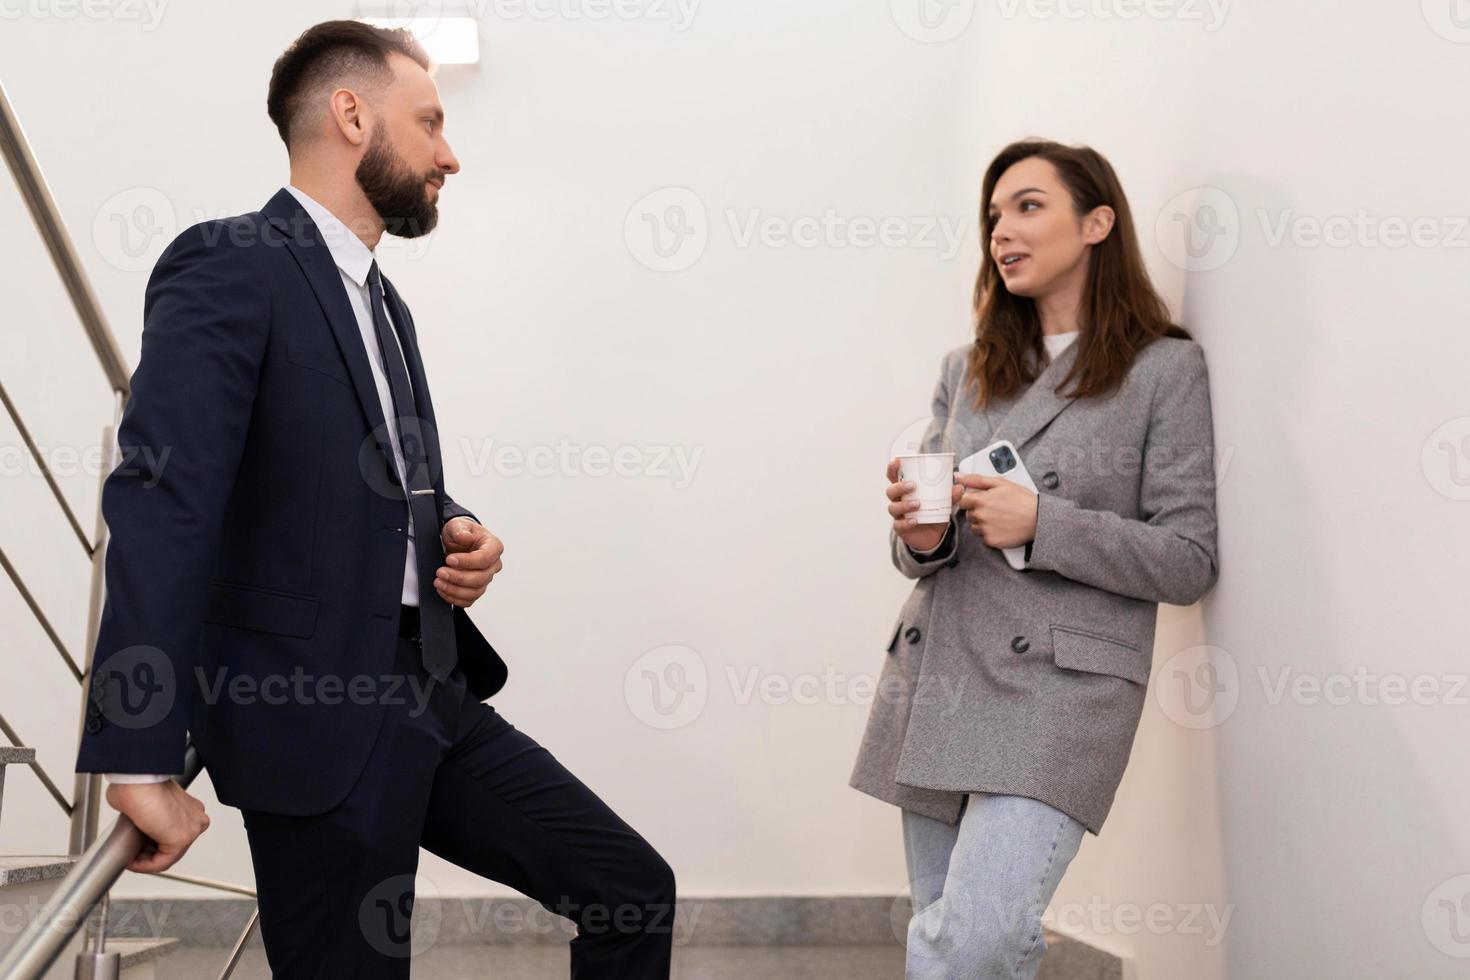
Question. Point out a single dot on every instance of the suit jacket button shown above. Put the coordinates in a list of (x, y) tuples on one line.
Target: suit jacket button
[(1020, 644), (912, 634), (94, 725), (1051, 480), (93, 708)]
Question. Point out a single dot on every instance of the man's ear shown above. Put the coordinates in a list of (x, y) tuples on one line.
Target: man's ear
[(348, 114)]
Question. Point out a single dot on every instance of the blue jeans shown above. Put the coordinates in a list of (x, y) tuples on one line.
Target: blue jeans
[(979, 888)]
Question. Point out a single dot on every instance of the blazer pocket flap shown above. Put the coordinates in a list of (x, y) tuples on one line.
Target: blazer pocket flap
[(893, 640), (325, 362), (1082, 650), (262, 610)]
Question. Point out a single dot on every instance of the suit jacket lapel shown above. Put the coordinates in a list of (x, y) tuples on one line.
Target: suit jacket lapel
[(315, 259), (1023, 418)]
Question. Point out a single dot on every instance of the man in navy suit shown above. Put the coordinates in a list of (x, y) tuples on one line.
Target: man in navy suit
[(287, 576)]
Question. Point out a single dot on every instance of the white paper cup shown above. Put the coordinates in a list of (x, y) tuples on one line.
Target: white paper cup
[(933, 475)]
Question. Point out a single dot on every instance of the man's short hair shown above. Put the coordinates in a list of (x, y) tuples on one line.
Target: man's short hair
[(326, 57)]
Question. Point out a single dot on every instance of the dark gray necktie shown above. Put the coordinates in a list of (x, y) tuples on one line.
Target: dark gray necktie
[(436, 617)]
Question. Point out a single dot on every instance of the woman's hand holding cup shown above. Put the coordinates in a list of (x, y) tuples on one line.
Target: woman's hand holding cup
[(905, 501)]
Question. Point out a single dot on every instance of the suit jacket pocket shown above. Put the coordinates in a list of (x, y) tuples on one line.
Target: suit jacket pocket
[(893, 641), (263, 610), (327, 362), (1079, 649)]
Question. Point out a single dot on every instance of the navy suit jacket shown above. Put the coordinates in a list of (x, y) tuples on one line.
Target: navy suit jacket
[(256, 561)]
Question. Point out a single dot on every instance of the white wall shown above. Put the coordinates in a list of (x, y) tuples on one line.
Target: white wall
[(1320, 829), (1328, 826)]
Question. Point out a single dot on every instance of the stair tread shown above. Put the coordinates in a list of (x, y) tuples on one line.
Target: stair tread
[(16, 755), (140, 950), (25, 869)]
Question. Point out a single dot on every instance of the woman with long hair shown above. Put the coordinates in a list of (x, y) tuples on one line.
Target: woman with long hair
[(1010, 697)]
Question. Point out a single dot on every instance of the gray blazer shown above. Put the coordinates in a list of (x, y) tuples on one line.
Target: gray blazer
[(1031, 682)]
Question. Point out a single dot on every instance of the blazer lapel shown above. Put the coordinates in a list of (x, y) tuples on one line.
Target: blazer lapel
[(1023, 418), (315, 259)]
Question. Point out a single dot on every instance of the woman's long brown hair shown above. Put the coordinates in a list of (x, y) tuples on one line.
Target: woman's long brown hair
[(1120, 313)]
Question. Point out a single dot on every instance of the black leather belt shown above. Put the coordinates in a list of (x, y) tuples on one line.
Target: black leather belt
[(408, 623)]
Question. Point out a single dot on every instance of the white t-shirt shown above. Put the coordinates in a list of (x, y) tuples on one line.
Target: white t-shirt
[(1057, 342)]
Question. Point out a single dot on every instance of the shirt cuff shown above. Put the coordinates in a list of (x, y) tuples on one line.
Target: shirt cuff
[(136, 777)]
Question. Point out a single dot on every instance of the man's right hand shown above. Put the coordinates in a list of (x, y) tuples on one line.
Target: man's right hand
[(170, 818), (919, 537)]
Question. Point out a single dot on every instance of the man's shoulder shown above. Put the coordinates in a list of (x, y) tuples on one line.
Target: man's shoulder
[(244, 241)]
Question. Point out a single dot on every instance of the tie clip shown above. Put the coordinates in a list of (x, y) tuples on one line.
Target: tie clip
[(420, 493)]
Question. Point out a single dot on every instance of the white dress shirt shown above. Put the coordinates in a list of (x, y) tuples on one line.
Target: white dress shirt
[(353, 262)]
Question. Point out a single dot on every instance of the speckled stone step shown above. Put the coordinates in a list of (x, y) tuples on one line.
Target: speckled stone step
[(13, 755), (136, 952), (16, 755), (28, 869)]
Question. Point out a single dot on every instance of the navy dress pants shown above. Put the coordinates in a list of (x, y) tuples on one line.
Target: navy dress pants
[(449, 774)]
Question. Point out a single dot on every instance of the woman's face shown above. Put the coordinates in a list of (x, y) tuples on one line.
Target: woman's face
[(1031, 217)]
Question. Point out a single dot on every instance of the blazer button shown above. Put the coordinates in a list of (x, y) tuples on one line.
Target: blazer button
[(912, 634), (94, 725), (93, 708), (1020, 644), (1051, 480)]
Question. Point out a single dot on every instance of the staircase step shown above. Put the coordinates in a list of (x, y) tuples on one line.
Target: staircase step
[(16, 755), (27, 869), (138, 951)]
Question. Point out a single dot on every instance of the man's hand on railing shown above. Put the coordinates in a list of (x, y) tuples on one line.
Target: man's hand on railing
[(170, 818)]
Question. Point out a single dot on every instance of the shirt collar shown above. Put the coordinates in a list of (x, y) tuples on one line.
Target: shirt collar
[(348, 251)]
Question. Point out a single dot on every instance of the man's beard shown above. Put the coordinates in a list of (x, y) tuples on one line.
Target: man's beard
[(398, 195)]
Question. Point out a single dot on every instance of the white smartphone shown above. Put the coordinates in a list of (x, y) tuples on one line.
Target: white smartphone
[(1001, 459)]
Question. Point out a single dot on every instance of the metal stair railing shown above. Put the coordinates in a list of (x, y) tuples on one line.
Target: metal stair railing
[(80, 901)]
